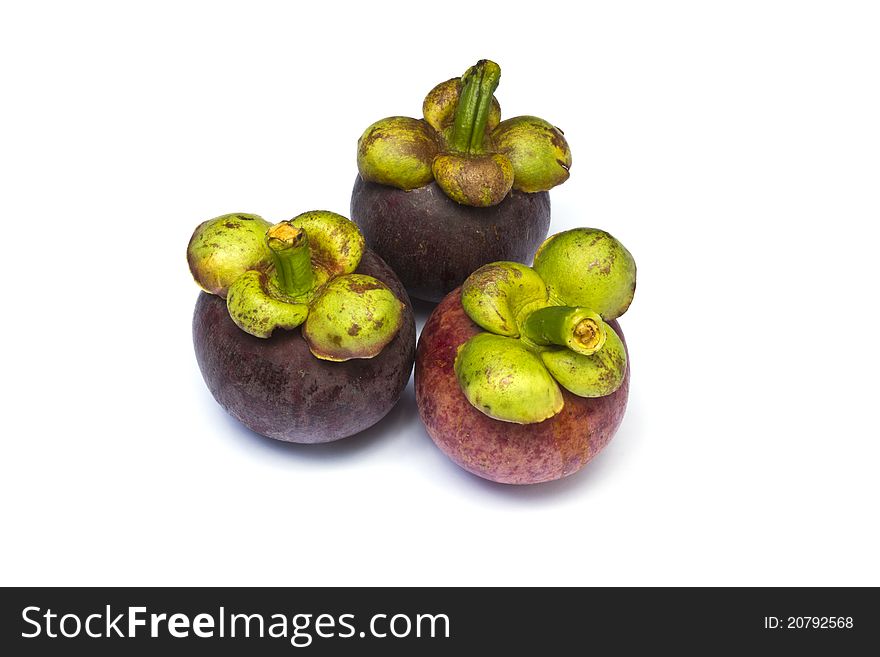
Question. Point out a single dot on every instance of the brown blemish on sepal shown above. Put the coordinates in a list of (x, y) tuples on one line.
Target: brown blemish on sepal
[(336, 244), (496, 295), (398, 151), (223, 248), (475, 180), (361, 287), (353, 316), (538, 151)]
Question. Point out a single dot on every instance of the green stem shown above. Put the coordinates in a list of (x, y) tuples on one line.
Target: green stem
[(579, 329), (478, 84), (290, 251)]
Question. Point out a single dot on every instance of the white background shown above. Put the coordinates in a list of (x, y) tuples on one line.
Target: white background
[(734, 147)]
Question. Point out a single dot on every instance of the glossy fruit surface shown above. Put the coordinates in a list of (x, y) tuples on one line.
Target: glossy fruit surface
[(434, 243)]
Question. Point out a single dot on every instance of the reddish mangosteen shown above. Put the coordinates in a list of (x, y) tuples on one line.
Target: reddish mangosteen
[(522, 373), (302, 334), (438, 197)]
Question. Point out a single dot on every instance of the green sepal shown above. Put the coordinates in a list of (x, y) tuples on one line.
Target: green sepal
[(397, 151), (596, 375), (353, 316), (336, 244), (503, 379), (537, 150), (222, 249), (480, 181), (497, 296), (255, 308), (588, 267)]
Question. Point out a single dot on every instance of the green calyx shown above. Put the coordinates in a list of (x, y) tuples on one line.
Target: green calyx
[(355, 316), (222, 249), (499, 296), (397, 151), (497, 374), (463, 145), (538, 334), (588, 267), (298, 271), (538, 152), (477, 180), (256, 306), (593, 375)]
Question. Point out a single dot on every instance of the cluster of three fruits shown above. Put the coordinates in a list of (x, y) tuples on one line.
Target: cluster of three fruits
[(305, 332)]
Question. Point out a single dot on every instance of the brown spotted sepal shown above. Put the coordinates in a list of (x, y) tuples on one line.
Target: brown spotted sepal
[(298, 271), (546, 327), (477, 180), (222, 249), (353, 316)]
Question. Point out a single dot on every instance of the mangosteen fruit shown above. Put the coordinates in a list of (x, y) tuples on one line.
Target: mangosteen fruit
[(517, 379), (301, 333), (438, 197)]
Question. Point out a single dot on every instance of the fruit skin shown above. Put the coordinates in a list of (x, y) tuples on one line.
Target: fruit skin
[(276, 386), (434, 243), (495, 450)]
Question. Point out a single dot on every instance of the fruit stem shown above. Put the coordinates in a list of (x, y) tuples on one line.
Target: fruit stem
[(472, 110), (289, 246), (579, 329)]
